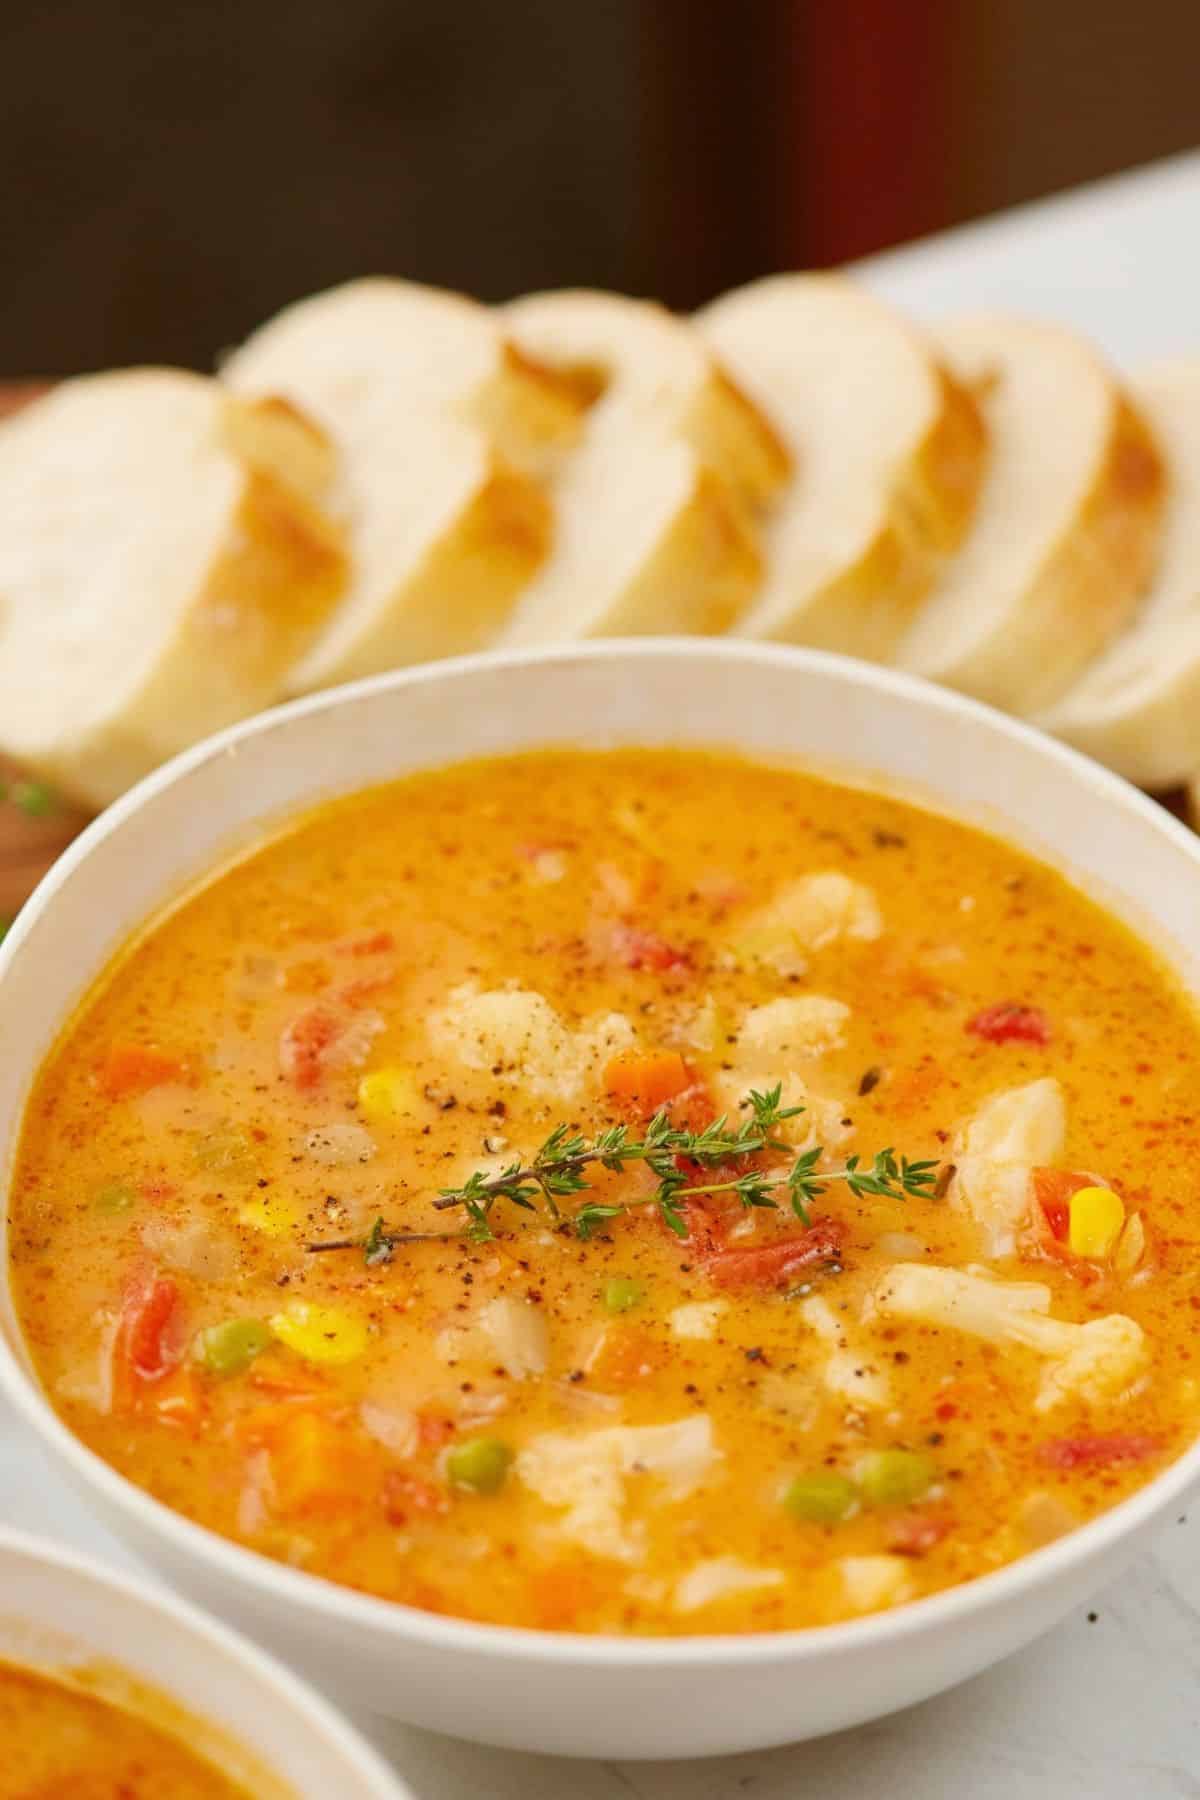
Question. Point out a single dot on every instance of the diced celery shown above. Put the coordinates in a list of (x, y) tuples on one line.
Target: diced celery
[(621, 1294), (230, 1348)]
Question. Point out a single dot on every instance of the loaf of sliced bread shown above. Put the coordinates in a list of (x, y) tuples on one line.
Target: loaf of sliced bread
[(164, 559), (657, 508), (443, 431), (1138, 707), (1066, 533), (889, 453)]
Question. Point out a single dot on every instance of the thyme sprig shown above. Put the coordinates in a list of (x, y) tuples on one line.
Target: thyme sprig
[(676, 1156)]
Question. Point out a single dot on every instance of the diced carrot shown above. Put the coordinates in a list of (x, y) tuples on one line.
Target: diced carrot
[(770, 1265), (916, 1533), (641, 1083), (178, 1401), (560, 1593), (308, 976), (406, 1494), (132, 1069), (626, 1354), (316, 1466)]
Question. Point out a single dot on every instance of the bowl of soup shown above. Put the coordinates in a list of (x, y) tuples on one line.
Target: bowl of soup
[(630, 1199), (109, 1688)]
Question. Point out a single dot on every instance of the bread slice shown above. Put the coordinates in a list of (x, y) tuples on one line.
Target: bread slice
[(444, 430), (889, 453), (1138, 707), (163, 560), (1067, 530), (657, 508)]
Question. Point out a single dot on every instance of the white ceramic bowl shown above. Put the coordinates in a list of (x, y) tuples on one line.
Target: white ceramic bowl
[(58, 1611), (579, 1695)]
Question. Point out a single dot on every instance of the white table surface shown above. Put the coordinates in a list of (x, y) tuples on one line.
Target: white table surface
[(1105, 1707)]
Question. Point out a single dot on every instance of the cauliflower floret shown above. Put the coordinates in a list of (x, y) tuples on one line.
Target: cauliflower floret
[(804, 1025), (719, 1578), (586, 1476), (847, 1374), (822, 908), (995, 1155), (821, 1121), (1092, 1362), (698, 1319), (518, 1035), (872, 1582)]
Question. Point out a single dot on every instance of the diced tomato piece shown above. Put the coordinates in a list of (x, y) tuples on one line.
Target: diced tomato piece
[(405, 1494), (641, 1083), (356, 993), (132, 1069), (705, 1226), (639, 949), (1121, 1450), (374, 944), (1052, 1190), (626, 1354), (770, 1265), (305, 1043), (1010, 1023), (146, 1339), (916, 1533), (434, 1429)]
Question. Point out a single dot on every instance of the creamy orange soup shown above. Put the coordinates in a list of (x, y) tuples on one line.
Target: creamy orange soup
[(58, 1743), (687, 1375)]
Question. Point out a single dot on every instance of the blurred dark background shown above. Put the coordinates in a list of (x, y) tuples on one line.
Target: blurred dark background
[(175, 171)]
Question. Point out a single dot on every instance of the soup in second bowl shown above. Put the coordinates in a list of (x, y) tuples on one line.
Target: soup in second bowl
[(636, 1191), (60, 1742)]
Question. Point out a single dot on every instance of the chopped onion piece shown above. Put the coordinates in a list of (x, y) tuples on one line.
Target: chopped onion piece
[(516, 1330), (338, 1145)]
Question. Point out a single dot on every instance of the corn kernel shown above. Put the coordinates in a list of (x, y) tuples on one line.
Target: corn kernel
[(1097, 1216), (385, 1094), (271, 1214), (320, 1334)]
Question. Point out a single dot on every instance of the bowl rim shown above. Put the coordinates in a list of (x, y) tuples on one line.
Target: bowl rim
[(276, 1682), (297, 1589)]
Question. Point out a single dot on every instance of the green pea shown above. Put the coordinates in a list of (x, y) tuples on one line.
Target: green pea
[(117, 1197), (230, 1348), (620, 1294), (895, 1477), (480, 1465), (34, 799), (821, 1497)]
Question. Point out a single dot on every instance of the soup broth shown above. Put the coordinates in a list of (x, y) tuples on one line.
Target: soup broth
[(61, 1743), (770, 1377)]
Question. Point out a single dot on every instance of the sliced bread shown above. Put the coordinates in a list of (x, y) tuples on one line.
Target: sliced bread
[(163, 561), (657, 509), (1138, 707), (443, 430), (1067, 529), (889, 452)]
